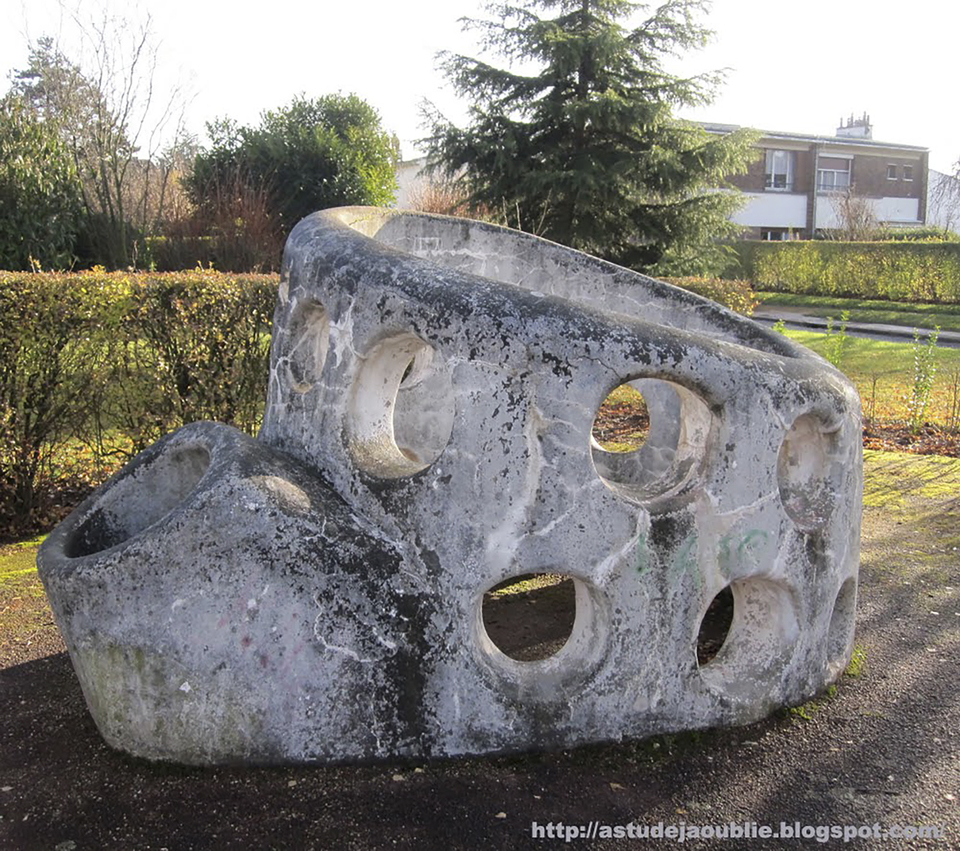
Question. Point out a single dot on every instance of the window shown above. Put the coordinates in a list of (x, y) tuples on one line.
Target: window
[(779, 171), (778, 234), (908, 172), (891, 172), (833, 174)]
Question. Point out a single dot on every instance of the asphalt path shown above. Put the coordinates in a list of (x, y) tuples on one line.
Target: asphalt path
[(797, 321)]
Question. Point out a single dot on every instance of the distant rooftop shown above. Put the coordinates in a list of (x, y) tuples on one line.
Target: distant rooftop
[(839, 139)]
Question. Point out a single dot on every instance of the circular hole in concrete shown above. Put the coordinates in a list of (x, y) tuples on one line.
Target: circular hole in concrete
[(623, 422), (806, 474), (531, 617), (401, 410), (143, 495), (309, 336), (649, 438), (715, 626), (762, 633), (842, 623)]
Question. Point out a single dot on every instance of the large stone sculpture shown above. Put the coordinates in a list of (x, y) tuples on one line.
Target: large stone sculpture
[(316, 594)]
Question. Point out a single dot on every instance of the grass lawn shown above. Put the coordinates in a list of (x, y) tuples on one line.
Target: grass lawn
[(19, 560), (909, 314), (24, 613), (883, 373)]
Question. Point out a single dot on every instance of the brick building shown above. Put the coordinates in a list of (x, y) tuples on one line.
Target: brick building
[(796, 184)]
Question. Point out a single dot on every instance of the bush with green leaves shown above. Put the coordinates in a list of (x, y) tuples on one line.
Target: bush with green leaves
[(837, 340), (105, 363), (55, 335), (312, 154), (899, 271), (924, 371), (918, 233), (195, 346), (40, 195), (738, 295)]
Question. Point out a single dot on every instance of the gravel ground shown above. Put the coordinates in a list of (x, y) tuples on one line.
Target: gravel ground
[(882, 749)]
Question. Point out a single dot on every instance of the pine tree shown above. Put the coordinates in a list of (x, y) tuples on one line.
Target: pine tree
[(584, 148)]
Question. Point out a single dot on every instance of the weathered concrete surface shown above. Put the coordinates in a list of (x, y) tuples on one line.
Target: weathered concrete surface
[(317, 595)]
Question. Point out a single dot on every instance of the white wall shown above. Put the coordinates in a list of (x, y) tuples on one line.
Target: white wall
[(943, 201), (409, 180), (897, 210), (773, 209), (893, 210)]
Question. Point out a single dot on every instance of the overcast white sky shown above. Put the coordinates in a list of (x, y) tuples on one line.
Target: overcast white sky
[(795, 68)]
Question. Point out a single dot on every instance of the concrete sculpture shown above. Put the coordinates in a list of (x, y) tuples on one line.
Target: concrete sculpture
[(316, 594)]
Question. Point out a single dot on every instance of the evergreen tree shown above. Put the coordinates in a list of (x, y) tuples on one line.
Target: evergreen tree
[(584, 149), (39, 192)]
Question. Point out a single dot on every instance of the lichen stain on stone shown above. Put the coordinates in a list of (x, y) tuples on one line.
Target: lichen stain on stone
[(286, 494)]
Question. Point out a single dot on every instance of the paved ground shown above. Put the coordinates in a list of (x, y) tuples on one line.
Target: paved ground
[(884, 749), (797, 320)]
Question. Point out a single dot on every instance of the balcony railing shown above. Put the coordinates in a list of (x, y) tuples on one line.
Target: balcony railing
[(778, 183), (833, 181)]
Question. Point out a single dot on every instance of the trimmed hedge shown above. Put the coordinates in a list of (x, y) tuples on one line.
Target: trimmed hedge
[(737, 294), (96, 366), (899, 271), (112, 361)]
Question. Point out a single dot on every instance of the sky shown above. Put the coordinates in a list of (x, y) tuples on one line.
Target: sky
[(797, 68)]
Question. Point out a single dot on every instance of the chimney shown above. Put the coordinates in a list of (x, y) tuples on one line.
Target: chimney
[(856, 128)]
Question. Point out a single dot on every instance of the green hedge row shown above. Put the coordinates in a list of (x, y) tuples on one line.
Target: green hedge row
[(736, 293), (103, 364), (96, 366), (899, 271)]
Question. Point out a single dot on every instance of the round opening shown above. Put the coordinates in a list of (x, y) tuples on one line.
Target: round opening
[(623, 422), (145, 494), (715, 626), (842, 624), (807, 475), (761, 633), (310, 339), (401, 410), (649, 438), (530, 617)]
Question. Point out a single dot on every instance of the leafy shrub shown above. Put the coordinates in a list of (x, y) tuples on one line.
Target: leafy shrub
[(922, 233), (901, 271), (235, 230), (738, 295), (837, 340), (311, 154), (924, 371), (39, 192), (113, 361), (196, 347), (55, 332)]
